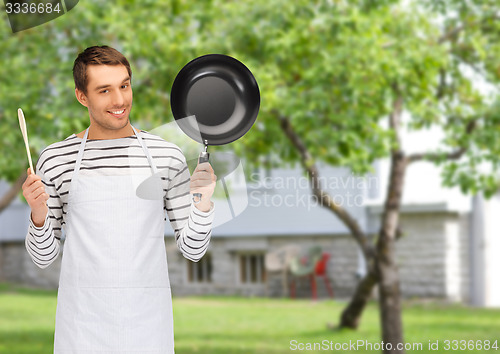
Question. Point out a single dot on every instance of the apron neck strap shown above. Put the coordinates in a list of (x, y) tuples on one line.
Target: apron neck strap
[(80, 156), (146, 151), (82, 148)]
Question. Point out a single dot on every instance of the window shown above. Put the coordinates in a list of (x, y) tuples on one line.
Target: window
[(201, 271), (252, 268)]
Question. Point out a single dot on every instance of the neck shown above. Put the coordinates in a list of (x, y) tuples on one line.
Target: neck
[(96, 132)]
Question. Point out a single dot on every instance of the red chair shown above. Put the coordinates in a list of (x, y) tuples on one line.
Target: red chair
[(320, 271), (302, 267)]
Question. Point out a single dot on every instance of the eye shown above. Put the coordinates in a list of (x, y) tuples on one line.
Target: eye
[(124, 86), (104, 91)]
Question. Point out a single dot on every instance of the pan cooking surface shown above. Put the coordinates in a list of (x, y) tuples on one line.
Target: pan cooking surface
[(211, 100), (221, 93)]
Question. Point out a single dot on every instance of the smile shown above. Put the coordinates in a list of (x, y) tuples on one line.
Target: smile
[(117, 114)]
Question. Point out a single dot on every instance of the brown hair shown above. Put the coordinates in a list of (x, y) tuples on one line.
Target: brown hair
[(96, 55)]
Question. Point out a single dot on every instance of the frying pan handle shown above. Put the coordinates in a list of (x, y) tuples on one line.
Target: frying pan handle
[(204, 156)]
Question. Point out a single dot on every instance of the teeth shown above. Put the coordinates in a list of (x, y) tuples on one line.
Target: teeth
[(117, 112)]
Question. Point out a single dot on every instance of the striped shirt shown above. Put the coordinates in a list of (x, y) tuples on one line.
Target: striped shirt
[(111, 157)]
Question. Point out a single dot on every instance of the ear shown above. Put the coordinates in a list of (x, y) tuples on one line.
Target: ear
[(81, 97)]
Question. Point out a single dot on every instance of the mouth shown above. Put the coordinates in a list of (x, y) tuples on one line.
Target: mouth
[(118, 113)]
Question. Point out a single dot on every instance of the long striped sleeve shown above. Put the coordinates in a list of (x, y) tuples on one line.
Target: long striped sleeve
[(192, 227), (122, 156), (43, 243)]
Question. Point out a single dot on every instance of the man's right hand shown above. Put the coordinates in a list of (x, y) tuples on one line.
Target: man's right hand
[(35, 195)]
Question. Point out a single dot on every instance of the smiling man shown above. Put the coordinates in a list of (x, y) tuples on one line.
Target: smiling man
[(114, 291)]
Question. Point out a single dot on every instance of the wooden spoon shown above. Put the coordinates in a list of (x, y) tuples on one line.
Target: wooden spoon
[(22, 124)]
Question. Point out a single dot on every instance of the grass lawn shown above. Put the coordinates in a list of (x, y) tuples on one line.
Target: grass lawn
[(211, 325)]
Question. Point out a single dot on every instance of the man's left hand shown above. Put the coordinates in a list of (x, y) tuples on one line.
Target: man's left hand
[(203, 181)]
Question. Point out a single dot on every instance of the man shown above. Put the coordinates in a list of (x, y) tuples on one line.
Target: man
[(114, 290)]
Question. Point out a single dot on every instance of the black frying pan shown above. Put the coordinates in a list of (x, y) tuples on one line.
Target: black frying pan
[(222, 95)]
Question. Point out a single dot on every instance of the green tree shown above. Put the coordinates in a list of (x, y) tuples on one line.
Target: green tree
[(332, 72)]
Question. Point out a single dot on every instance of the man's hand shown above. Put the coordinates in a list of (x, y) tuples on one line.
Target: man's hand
[(35, 195), (203, 181)]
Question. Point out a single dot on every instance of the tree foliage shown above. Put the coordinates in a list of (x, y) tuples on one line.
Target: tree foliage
[(328, 66)]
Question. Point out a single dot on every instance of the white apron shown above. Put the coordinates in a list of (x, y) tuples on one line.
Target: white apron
[(114, 290)]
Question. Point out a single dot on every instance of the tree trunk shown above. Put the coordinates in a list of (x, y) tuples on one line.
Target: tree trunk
[(352, 313), (382, 267), (11, 194), (390, 300), (387, 270)]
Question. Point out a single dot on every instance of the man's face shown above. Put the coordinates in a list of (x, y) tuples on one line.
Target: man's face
[(109, 96)]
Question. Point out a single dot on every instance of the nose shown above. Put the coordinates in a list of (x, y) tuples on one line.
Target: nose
[(117, 99)]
